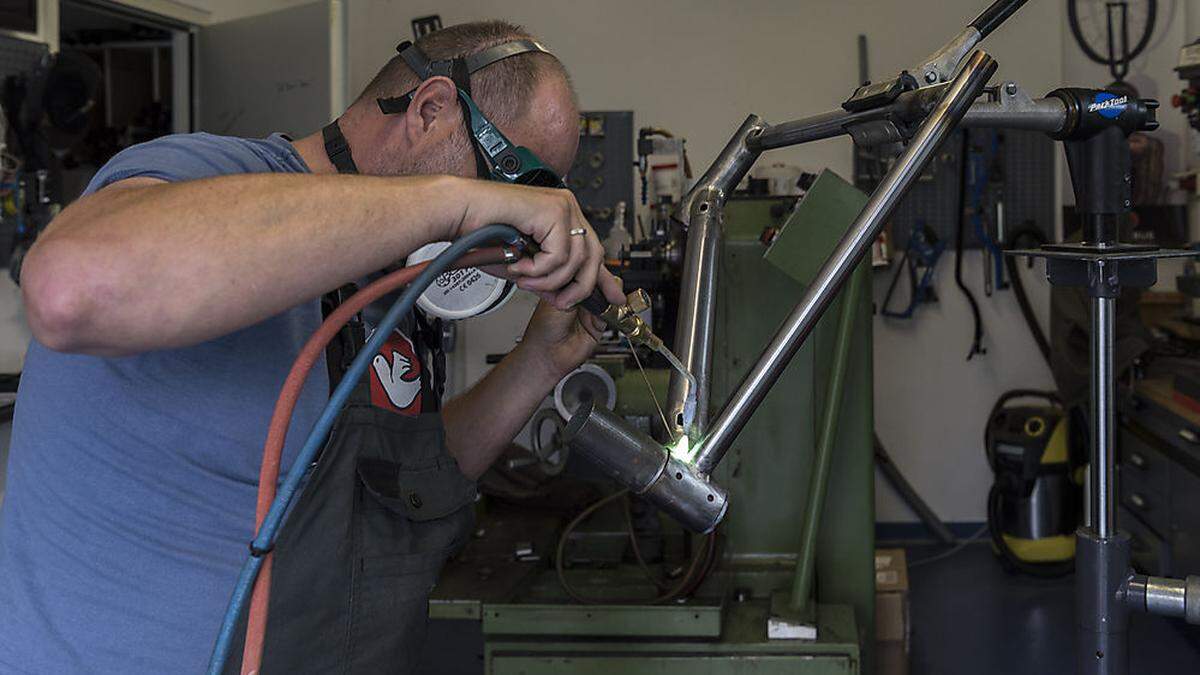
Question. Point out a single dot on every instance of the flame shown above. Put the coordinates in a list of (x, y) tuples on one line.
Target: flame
[(681, 449)]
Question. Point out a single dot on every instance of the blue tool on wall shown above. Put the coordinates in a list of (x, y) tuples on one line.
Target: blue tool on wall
[(986, 205), (919, 261)]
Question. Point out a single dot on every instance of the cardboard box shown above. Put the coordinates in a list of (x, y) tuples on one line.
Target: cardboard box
[(891, 571), (891, 612), (891, 658)]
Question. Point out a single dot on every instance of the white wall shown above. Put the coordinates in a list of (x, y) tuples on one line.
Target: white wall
[(699, 68), (216, 11)]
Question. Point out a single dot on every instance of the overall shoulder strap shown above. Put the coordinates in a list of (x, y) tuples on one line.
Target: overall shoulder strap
[(337, 149), (343, 348)]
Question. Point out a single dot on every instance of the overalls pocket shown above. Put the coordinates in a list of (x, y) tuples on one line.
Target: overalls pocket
[(412, 512), (383, 510)]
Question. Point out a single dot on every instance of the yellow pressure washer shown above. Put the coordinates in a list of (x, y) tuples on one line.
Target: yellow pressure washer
[(1034, 503)]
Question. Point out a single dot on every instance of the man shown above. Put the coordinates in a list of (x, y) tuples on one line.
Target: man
[(167, 305)]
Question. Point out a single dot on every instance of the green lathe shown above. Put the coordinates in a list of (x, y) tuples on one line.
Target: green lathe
[(506, 578)]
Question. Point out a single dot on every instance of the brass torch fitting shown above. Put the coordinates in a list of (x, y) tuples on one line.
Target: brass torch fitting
[(625, 320)]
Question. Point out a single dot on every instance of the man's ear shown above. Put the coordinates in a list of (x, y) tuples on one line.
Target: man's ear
[(434, 109)]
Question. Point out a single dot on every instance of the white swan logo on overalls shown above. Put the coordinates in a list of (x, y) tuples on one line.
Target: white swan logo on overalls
[(398, 376)]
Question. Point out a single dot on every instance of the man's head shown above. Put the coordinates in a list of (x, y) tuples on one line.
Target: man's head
[(528, 97)]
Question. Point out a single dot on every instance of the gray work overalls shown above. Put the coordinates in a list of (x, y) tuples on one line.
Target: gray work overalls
[(383, 509)]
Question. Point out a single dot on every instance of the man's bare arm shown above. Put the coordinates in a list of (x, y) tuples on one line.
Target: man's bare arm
[(481, 423), (144, 265)]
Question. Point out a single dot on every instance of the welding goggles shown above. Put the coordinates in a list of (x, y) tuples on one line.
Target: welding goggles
[(496, 157)]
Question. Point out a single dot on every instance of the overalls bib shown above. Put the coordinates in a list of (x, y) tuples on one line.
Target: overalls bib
[(384, 507)]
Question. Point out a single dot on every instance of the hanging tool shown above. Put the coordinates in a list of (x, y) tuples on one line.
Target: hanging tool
[(920, 259), (977, 339), (982, 168)]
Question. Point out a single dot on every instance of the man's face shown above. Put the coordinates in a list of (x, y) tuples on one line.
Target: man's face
[(550, 130)]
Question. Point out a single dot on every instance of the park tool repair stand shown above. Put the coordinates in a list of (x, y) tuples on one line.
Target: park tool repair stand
[(1106, 588)]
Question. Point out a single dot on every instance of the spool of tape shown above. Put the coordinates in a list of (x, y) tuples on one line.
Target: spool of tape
[(460, 294), (588, 382)]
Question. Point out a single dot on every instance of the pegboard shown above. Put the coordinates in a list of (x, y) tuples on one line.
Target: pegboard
[(19, 56), (1028, 188), (602, 174)]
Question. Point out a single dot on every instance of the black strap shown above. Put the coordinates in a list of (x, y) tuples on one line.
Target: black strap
[(458, 69), (502, 51), (337, 149), (345, 346), (427, 336)]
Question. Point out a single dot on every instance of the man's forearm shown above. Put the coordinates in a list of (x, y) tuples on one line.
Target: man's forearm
[(482, 422), (159, 265)]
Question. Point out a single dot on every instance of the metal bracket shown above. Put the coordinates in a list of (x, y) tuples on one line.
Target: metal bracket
[(941, 65)]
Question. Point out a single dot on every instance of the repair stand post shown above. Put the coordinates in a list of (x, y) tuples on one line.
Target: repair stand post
[(1102, 554), (1100, 172), (1106, 589)]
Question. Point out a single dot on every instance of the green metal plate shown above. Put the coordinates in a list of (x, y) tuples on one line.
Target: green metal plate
[(729, 664), (603, 620), (742, 648), (454, 609), (767, 470), (815, 226)]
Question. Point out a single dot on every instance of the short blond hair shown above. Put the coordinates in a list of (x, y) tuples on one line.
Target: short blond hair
[(502, 90)]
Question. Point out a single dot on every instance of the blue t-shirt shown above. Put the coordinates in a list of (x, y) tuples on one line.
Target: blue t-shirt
[(131, 481)]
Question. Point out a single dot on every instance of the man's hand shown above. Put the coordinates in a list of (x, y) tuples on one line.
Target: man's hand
[(568, 266), (556, 342), (481, 422)]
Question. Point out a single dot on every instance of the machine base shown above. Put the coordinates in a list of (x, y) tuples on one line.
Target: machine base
[(742, 649)]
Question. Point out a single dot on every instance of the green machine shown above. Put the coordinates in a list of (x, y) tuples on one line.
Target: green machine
[(556, 594)]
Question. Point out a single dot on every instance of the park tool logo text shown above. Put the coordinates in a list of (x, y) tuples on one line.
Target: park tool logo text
[(1109, 105)]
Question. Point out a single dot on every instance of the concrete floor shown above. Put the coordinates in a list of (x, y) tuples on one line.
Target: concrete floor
[(969, 616)]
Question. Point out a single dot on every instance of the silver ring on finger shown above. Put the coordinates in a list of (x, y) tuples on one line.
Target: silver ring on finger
[(578, 231)]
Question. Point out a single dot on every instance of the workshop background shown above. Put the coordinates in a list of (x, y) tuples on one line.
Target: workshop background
[(723, 59), (697, 68)]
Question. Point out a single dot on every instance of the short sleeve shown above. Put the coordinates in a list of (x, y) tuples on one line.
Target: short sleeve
[(178, 158)]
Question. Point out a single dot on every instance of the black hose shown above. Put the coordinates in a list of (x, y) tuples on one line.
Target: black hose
[(977, 340), (1018, 287), (995, 15), (690, 579)]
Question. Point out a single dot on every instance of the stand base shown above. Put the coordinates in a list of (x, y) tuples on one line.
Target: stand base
[(1102, 574)]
